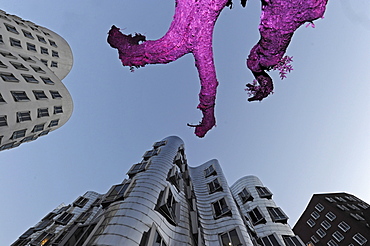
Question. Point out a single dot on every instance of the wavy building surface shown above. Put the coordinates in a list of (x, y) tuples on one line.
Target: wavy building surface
[(163, 201), (33, 99)]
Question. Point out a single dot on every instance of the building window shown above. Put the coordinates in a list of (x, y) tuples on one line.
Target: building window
[(15, 42), (43, 133), (341, 199), (315, 215), (4, 17), (29, 138), (137, 168), (314, 239), (40, 95), (147, 154), (1, 39), (357, 216), (159, 144), (174, 177), (264, 192), (38, 128), (23, 116), (41, 39), (352, 206), (54, 123), (214, 186), (42, 112), (245, 195), (18, 134), (8, 77), (319, 207), (38, 69), (168, 206), (29, 78), (292, 241), (344, 226), (31, 47), (45, 62), (117, 193), (11, 28), (54, 53), (80, 202), (2, 65), (338, 236), (209, 171), (64, 218), (27, 58), (329, 199), (43, 239), (256, 216), (270, 240), (325, 224), (331, 242), (54, 64), (359, 239), (2, 100), (19, 66), (8, 146), (230, 238), (321, 232), (56, 95), (47, 81), (342, 207), (44, 50), (220, 208), (3, 120), (52, 43), (311, 222), (363, 205), (27, 34), (277, 215), (58, 109), (8, 55), (331, 216), (19, 96)]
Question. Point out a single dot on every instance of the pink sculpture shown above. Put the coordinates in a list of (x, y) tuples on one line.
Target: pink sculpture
[(191, 32)]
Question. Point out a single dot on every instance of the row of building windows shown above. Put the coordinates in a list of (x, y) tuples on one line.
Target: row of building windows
[(21, 96), (26, 115), (271, 240), (21, 23)]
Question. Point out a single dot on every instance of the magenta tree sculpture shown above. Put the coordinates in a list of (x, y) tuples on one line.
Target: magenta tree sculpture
[(191, 32)]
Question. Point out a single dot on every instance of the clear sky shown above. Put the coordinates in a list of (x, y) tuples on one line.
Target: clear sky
[(310, 136)]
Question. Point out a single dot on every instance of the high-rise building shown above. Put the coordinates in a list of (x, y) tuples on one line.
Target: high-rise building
[(33, 99), (334, 219), (163, 201)]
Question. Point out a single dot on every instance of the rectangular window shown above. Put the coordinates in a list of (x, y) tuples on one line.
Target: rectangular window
[(31, 47), (54, 53), (245, 195), (116, 193), (44, 50), (341, 199), (269, 241), (359, 239), (15, 42), (329, 199), (8, 77), (353, 207), (54, 64), (168, 206), (27, 58), (2, 65), (292, 241), (58, 109), (230, 238), (47, 81), (357, 216), (331, 216), (19, 134), (11, 28), (38, 128), (220, 208), (54, 123), (56, 95), (80, 202), (40, 95), (38, 69), (52, 43), (319, 207), (23, 116), (27, 34), (2, 100), (147, 154), (43, 133), (338, 236), (363, 205), (321, 232), (29, 138), (344, 226), (44, 61), (264, 192), (3, 120), (64, 218), (43, 239), (314, 239), (1, 39), (325, 224), (277, 215), (41, 39), (29, 78), (8, 55), (342, 207), (19, 66), (256, 216), (209, 171), (42, 112), (311, 222), (315, 215), (331, 242), (137, 168), (19, 96), (214, 186)]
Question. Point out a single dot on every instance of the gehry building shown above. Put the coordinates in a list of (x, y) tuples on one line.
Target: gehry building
[(335, 219), (33, 99), (165, 202)]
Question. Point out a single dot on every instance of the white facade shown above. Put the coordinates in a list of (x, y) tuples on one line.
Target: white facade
[(165, 202), (33, 99)]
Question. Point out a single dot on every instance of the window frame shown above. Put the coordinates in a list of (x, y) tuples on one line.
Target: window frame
[(258, 216), (39, 95), (22, 116), (229, 238), (168, 206), (263, 192), (330, 215), (245, 195), (20, 96), (214, 186), (344, 226), (277, 215)]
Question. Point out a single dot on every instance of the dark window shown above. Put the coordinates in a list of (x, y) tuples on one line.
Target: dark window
[(319, 207), (2, 65), (331, 216), (214, 186), (4, 17), (42, 112), (29, 138), (19, 96), (245, 195), (52, 43), (256, 216), (27, 233), (19, 134), (19, 66), (23, 116), (137, 168), (8, 77), (321, 232), (269, 241), (209, 171), (19, 23), (27, 58), (41, 39), (221, 208), (15, 42), (168, 207), (47, 81), (344, 226), (230, 238), (359, 239), (31, 47), (43, 133), (149, 153), (27, 34), (315, 215), (54, 64), (174, 176), (38, 128), (55, 94), (1, 39), (292, 241), (338, 236), (2, 100), (159, 144), (54, 123), (9, 146), (83, 217), (45, 62), (277, 215), (158, 240), (54, 53), (325, 224), (80, 202), (311, 222), (331, 242), (40, 95), (37, 69), (116, 193), (58, 109), (43, 239), (8, 55), (3, 120), (42, 225), (29, 78), (44, 50), (264, 192), (64, 218), (11, 28)]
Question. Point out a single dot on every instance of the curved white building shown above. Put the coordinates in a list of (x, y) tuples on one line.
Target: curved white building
[(164, 202), (33, 99)]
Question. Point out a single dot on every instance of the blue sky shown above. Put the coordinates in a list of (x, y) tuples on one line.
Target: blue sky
[(310, 136)]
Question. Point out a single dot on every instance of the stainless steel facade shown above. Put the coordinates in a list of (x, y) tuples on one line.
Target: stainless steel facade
[(163, 201)]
